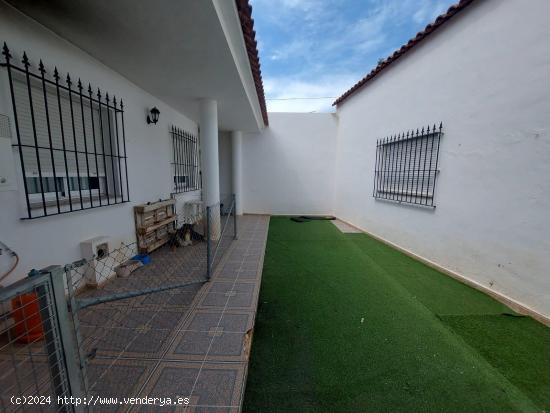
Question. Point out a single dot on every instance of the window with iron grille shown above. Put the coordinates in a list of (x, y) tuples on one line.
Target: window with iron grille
[(186, 164), (406, 166), (70, 141)]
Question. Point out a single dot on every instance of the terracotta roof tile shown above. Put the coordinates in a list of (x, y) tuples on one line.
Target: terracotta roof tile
[(430, 28), (247, 24)]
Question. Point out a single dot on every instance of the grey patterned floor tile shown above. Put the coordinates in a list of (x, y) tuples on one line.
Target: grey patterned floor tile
[(211, 409), (167, 319), (248, 275), (227, 275), (215, 345), (190, 345), (173, 298), (143, 342), (231, 321), (224, 287), (220, 385), (180, 343), (99, 316), (170, 380), (220, 301), (116, 378)]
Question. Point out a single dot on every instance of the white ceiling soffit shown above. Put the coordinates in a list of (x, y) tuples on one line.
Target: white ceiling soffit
[(178, 50)]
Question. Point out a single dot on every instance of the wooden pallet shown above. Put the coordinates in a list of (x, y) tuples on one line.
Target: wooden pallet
[(154, 224)]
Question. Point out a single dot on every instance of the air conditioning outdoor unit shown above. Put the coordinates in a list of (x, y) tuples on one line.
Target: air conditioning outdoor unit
[(192, 211), (96, 251)]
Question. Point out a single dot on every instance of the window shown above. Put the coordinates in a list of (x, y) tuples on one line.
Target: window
[(49, 185), (70, 142), (86, 183), (186, 170), (180, 181), (406, 167)]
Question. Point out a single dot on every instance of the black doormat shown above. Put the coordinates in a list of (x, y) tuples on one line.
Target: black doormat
[(307, 218)]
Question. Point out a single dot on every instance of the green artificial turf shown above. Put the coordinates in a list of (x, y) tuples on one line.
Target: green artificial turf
[(348, 324)]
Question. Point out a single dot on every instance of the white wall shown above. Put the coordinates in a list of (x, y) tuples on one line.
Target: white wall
[(226, 174), (55, 240), (288, 168), (485, 74)]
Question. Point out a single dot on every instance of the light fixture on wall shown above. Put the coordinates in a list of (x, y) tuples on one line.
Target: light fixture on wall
[(154, 118)]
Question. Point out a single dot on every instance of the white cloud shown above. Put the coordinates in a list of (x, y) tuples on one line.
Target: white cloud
[(290, 50), (428, 11), (308, 10), (299, 4), (331, 34), (367, 34), (289, 88), (329, 51)]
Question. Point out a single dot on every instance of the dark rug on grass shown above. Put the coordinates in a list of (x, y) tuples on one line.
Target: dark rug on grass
[(347, 324)]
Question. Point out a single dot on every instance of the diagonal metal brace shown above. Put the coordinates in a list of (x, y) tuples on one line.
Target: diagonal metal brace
[(89, 302)]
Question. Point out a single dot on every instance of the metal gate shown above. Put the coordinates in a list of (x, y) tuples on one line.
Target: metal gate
[(60, 340), (39, 370), (122, 321)]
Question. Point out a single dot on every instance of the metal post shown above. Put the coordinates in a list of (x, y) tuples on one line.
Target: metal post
[(74, 308), (208, 240), (55, 356), (68, 344), (235, 236)]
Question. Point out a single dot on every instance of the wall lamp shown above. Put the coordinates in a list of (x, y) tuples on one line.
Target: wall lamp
[(154, 118)]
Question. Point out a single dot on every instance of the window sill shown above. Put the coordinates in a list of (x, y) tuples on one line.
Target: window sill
[(179, 191), (75, 200)]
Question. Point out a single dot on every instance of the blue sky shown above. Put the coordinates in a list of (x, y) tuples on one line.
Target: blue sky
[(320, 48)]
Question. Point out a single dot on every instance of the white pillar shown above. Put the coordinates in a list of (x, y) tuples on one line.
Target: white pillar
[(236, 146), (208, 118), (209, 151)]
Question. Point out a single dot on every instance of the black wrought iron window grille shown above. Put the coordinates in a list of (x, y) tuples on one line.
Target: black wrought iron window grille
[(406, 166), (70, 141), (186, 162)]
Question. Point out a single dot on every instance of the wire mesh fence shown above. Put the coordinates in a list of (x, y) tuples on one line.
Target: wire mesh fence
[(125, 304), (222, 229), (33, 357), (121, 310)]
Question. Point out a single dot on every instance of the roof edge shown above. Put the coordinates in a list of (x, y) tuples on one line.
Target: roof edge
[(247, 24), (429, 29)]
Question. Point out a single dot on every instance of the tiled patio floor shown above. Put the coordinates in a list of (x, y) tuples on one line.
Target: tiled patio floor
[(187, 342)]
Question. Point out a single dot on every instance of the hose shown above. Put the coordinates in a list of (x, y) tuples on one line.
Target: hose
[(13, 254)]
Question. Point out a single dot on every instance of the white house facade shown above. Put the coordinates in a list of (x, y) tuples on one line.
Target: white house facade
[(481, 78), (209, 81)]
